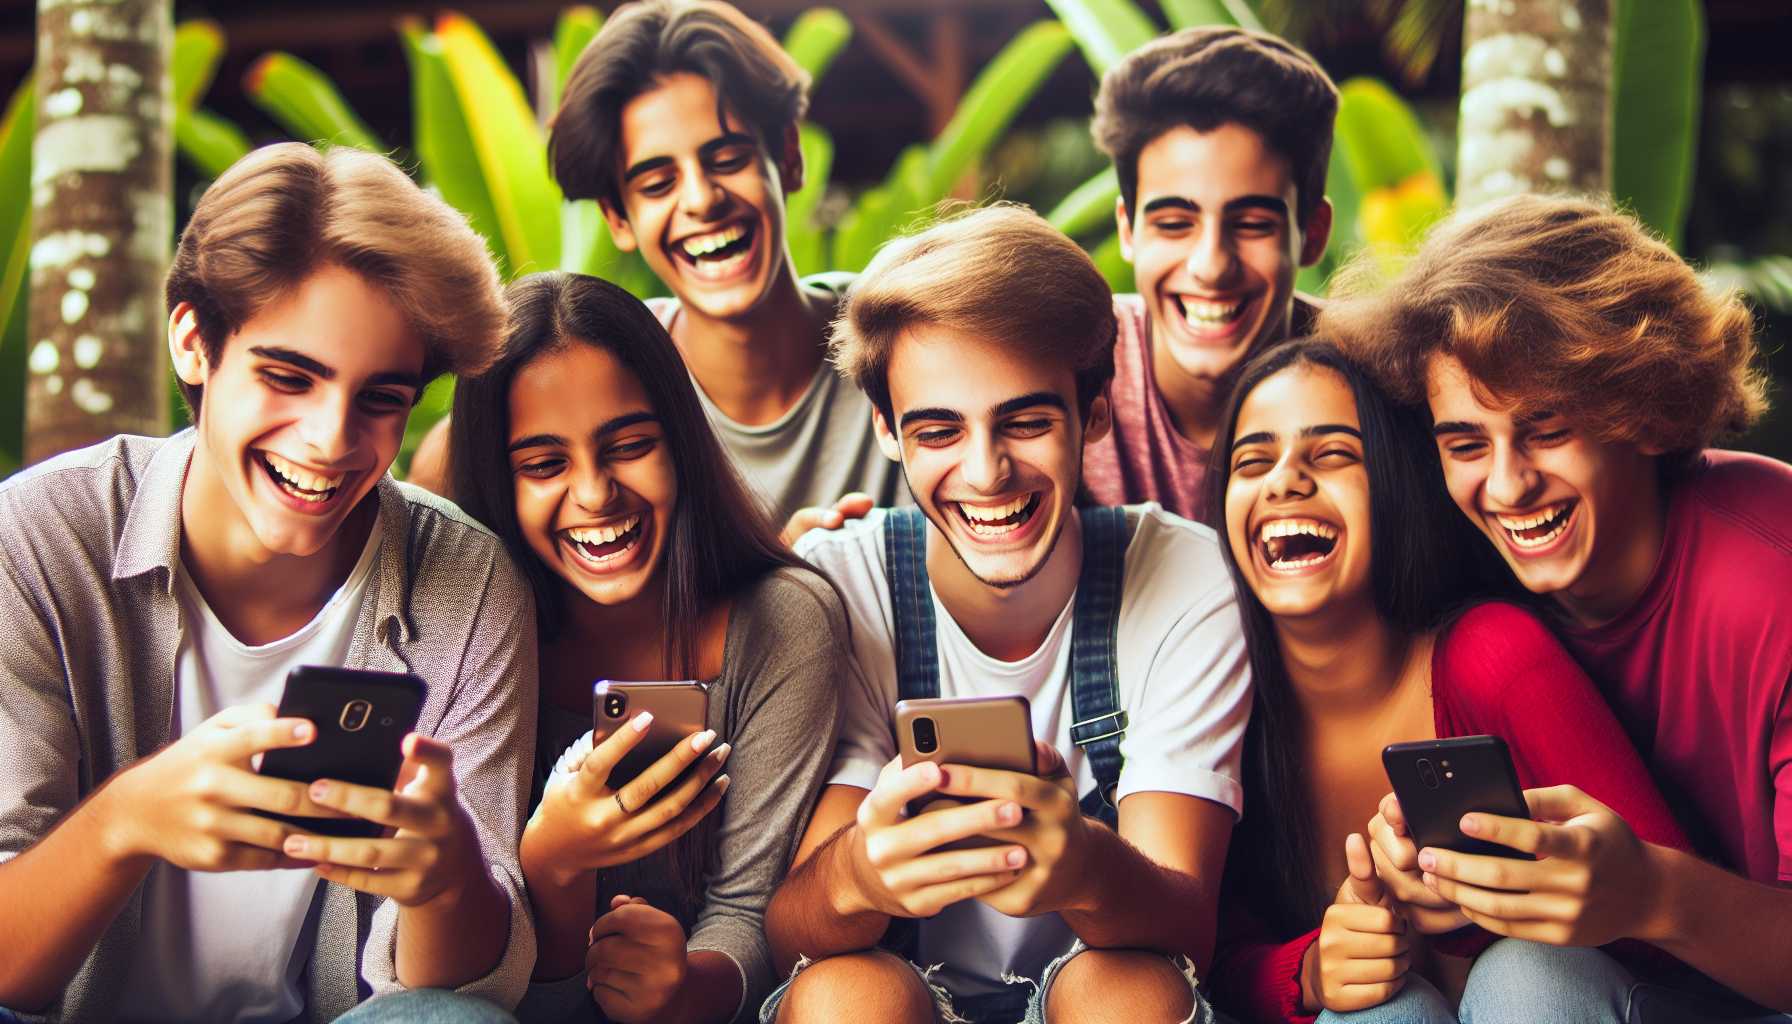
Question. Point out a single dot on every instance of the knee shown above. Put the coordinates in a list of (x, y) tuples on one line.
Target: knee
[(437, 1006), (867, 988), (1515, 980), (1122, 986)]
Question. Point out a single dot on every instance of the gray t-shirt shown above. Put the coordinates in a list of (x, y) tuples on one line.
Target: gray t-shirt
[(824, 446), (777, 702)]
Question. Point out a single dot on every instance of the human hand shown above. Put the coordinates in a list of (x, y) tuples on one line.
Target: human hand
[(584, 824), (854, 505), (636, 963), (892, 862), (1053, 832), (1591, 883), (1363, 952), (434, 850), (191, 803), (1396, 860)]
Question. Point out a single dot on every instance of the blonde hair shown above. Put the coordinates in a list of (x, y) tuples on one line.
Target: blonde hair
[(283, 211), (998, 272), (1556, 304)]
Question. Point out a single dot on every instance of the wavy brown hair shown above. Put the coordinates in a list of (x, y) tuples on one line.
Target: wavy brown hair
[(1561, 305)]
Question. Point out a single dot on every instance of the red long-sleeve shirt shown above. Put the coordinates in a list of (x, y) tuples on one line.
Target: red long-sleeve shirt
[(1499, 671)]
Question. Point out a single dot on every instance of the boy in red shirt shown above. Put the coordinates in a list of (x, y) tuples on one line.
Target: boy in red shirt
[(1577, 372), (1220, 138)]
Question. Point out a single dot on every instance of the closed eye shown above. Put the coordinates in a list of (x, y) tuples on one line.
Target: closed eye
[(541, 468), (1027, 428), (287, 382)]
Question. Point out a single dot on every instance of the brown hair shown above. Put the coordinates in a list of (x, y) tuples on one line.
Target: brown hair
[(999, 272), (285, 210), (1210, 76), (641, 44), (1563, 305)]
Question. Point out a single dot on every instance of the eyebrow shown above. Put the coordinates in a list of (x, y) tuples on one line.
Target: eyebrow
[(300, 360), (1004, 408), (1271, 204), (1457, 427), (610, 426), (704, 152), (1317, 430)]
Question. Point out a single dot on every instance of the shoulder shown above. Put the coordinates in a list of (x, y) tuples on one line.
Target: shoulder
[(844, 549), (443, 542), (793, 601), (1175, 574), (92, 490), (1496, 646), (663, 308), (1130, 313), (1747, 492)]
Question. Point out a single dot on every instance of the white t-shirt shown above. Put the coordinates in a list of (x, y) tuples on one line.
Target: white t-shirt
[(1184, 684), (229, 946)]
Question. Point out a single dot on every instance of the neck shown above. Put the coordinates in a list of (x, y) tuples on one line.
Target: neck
[(1195, 403), (1007, 623), (1344, 664), (756, 366), (1618, 574), (631, 635)]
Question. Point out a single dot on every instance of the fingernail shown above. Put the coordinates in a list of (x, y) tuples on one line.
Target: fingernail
[(722, 782), (320, 789), (1016, 858), (1427, 860), (941, 772), (1470, 824), (721, 753), (296, 845), (642, 721), (301, 731), (1008, 814), (702, 739)]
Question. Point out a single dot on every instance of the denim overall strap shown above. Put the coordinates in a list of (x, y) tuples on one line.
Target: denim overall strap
[(1099, 722), (905, 562)]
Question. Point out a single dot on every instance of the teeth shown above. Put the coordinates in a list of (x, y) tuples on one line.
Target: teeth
[(1276, 528), (1531, 522), (991, 514), (703, 245), (603, 534), (1202, 313), (302, 478)]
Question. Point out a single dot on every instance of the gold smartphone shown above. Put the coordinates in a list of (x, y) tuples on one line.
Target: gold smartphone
[(679, 709), (981, 732)]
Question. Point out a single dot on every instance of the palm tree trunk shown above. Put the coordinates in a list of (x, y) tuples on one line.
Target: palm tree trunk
[(1536, 98), (102, 171)]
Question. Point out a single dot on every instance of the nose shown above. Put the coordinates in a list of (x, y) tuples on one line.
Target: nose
[(1286, 481), (329, 429), (701, 196), (1211, 261), (592, 488), (985, 467), (1512, 480)]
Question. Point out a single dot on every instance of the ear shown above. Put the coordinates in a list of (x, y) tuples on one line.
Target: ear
[(185, 347), (620, 230), (790, 161), (1316, 233), (1100, 420), (886, 440), (1124, 224)]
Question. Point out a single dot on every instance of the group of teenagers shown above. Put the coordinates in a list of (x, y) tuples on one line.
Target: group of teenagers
[(1228, 540)]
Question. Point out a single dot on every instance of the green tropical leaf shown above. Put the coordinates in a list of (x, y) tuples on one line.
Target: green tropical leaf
[(12, 383), (306, 103), (508, 145), (437, 400), (16, 130), (444, 142), (1191, 13), (808, 243), (1381, 138), (816, 38), (573, 32), (1767, 280), (1105, 30), (211, 143), (198, 46), (1089, 207), (1346, 236), (1658, 59), (1112, 264), (999, 92)]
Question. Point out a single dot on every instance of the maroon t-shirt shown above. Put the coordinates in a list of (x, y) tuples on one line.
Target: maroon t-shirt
[(1697, 668)]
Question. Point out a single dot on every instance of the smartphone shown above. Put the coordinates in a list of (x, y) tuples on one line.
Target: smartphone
[(982, 732), (679, 709), (1438, 781), (362, 718)]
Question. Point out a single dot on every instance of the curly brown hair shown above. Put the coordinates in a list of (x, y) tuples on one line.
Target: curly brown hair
[(1563, 305)]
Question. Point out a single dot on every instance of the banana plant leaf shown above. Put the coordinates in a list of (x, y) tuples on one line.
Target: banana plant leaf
[(816, 38), (1112, 264), (303, 100), (444, 143), (1190, 13), (1089, 208), (999, 92), (1346, 236), (1105, 30), (508, 145), (1658, 59), (1387, 159), (16, 130), (808, 242), (198, 46), (574, 30), (211, 143), (437, 400)]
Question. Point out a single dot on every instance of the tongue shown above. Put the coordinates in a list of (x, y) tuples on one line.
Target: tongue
[(1298, 547)]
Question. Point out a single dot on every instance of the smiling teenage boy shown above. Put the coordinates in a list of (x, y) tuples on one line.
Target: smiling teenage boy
[(151, 621), (1220, 139), (681, 120), (1577, 372), (984, 343)]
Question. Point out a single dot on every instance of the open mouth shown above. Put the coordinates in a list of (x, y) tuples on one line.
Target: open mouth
[(718, 253), (994, 521), (1538, 529), (1205, 315), (1289, 545), (605, 546), (297, 481)]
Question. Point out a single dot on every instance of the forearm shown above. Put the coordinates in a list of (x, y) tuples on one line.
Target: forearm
[(57, 899), (711, 993), (564, 908), (456, 938), (819, 910), (1129, 901), (1700, 917)]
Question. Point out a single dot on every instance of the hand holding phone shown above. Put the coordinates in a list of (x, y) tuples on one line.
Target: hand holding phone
[(1439, 781), (361, 719)]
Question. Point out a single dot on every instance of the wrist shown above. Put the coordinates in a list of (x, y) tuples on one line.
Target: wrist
[(1307, 979), (113, 817), (1658, 911), (544, 865), (851, 878)]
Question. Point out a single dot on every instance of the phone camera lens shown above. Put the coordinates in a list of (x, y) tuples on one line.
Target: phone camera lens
[(614, 705), (1427, 774), (355, 715), (927, 740), (386, 721)]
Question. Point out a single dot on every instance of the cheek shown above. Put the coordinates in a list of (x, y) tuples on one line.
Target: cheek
[(535, 502)]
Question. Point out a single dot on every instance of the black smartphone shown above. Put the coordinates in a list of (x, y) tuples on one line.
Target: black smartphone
[(1439, 781), (362, 718), (680, 708)]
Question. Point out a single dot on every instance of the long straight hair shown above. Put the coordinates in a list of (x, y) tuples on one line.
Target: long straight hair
[(1427, 565)]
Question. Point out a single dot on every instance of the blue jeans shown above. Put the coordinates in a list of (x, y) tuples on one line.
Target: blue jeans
[(425, 1006), (1514, 982)]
